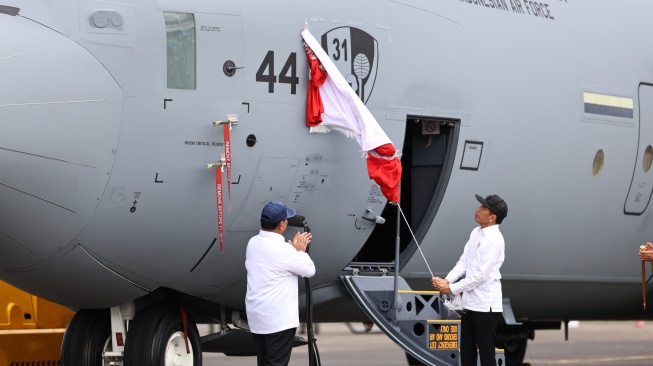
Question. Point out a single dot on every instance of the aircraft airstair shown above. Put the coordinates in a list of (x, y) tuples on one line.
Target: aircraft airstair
[(417, 321)]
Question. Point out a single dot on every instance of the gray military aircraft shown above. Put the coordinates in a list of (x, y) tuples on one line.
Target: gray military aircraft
[(106, 206)]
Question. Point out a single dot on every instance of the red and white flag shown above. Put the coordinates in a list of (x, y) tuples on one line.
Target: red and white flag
[(333, 105)]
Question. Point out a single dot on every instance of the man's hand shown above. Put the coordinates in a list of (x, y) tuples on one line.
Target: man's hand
[(441, 285), (647, 253), (301, 241)]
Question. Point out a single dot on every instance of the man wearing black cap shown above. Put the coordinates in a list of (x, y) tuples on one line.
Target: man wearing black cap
[(273, 267), (481, 285)]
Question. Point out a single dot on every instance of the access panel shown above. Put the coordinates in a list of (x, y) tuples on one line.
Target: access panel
[(641, 187)]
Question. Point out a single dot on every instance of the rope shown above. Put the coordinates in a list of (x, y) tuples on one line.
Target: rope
[(453, 302), (414, 238)]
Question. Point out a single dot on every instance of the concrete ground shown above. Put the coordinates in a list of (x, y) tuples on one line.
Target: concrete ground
[(590, 344)]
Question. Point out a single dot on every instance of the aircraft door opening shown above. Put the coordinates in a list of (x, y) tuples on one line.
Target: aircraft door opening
[(641, 187), (427, 160)]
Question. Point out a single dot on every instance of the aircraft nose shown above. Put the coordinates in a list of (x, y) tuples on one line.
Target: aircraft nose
[(59, 120)]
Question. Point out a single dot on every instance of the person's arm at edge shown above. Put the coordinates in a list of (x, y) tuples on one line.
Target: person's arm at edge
[(476, 276)]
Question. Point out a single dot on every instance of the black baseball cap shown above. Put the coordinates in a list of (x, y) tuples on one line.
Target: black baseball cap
[(496, 204)]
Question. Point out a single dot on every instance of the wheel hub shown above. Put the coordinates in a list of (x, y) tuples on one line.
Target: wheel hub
[(176, 354)]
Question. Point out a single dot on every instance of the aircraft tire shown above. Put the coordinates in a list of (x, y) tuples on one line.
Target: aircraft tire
[(85, 338), (156, 338), (140, 330), (169, 340), (515, 351)]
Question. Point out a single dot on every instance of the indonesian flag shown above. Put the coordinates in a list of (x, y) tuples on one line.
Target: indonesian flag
[(333, 105)]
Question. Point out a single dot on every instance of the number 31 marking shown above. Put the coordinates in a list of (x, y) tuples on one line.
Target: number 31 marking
[(265, 73)]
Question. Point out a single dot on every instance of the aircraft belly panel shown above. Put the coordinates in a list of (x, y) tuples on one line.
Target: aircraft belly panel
[(60, 128), (76, 279)]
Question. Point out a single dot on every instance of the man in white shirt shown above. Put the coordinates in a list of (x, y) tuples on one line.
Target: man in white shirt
[(273, 268), (481, 285)]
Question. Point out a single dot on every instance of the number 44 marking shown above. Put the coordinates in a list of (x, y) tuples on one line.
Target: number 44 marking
[(265, 73)]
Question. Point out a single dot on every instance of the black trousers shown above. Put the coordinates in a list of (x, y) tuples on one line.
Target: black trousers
[(478, 329), (274, 349)]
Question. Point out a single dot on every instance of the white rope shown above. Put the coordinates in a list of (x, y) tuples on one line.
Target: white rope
[(454, 302), (414, 238)]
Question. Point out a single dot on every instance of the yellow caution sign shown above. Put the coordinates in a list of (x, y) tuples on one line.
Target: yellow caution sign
[(444, 336)]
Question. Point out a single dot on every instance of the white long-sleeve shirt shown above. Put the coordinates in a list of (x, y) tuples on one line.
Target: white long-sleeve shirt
[(480, 264), (273, 267)]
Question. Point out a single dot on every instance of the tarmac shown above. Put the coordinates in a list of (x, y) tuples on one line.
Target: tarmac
[(624, 343)]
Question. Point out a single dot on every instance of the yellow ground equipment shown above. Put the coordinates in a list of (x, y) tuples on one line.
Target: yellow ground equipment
[(31, 329)]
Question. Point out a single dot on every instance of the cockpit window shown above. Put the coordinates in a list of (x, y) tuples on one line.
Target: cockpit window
[(180, 36)]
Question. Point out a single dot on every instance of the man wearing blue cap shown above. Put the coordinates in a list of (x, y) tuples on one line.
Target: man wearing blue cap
[(273, 269), (482, 300)]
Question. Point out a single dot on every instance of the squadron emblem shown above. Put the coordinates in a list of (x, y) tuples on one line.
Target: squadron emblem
[(355, 53)]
